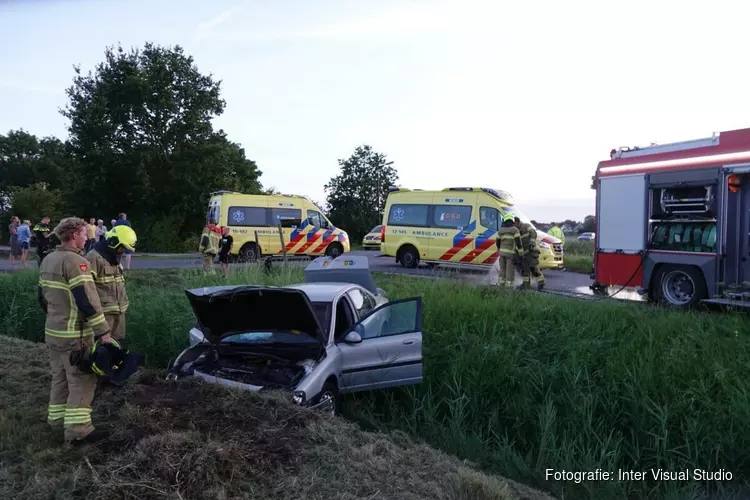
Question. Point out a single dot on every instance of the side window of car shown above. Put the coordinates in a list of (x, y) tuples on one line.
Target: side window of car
[(488, 217), (396, 318), (363, 303), (315, 219), (344, 320)]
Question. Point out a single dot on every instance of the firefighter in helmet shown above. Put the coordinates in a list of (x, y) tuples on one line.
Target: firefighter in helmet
[(530, 262), (209, 244), (68, 296), (510, 249), (109, 277)]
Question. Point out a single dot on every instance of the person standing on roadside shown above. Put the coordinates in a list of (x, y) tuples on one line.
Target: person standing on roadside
[(510, 249), (91, 233), (75, 321), (225, 248), (43, 233), (24, 240), (101, 230), (209, 244), (15, 247), (122, 220), (108, 276)]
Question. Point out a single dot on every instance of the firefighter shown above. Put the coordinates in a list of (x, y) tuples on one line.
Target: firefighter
[(75, 319), (530, 262), (510, 249), (209, 244), (109, 277)]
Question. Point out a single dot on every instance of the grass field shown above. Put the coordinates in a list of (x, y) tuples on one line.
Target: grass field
[(519, 382), (579, 255)]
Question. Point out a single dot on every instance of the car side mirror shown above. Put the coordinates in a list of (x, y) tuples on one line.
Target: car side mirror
[(353, 338)]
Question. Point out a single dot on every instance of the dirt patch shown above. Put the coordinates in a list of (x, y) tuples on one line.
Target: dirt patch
[(191, 440)]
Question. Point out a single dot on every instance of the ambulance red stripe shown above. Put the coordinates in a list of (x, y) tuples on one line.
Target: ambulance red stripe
[(478, 250), (456, 248)]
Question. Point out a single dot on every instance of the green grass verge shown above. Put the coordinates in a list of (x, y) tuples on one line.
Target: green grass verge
[(519, 382), (579, 256)]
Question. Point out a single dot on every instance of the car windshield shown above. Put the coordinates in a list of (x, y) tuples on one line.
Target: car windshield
[(516, 212), (268, 338), (323, 311), (376, 229)]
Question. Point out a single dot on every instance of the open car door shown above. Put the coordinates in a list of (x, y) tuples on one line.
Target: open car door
[(384, 349)]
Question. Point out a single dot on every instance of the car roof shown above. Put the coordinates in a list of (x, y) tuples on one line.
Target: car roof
[(322, 292)]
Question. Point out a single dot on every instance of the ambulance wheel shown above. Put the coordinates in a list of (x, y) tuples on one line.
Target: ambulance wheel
[(249, 253), (408, 257), (334, 250), (681, 287)]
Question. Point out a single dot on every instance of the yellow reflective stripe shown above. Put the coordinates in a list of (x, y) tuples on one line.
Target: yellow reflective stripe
[(77, 411), (61, 405), (105, 279), (68, 334), (93, 273), (58, 285), (96, 319), (80, 279), (77, 420), (114, 308)]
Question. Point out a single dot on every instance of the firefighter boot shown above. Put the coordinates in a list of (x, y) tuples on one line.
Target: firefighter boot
[(95, 436)]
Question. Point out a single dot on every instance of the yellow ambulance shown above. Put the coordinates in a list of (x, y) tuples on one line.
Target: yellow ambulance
[(307, 232), (456, 226)]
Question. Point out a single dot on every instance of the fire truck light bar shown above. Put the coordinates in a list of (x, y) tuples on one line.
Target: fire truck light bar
[(680, 162)]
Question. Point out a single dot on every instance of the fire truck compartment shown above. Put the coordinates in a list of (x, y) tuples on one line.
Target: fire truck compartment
[(622, 214)]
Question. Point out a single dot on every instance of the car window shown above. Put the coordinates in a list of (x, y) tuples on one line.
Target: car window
[(316, 219), (452, 216), (393, 319), (488, 217), (289, 217), (344, 319), (362, 301), (376, 229), (323, 311), (247, 216), (408, 215)]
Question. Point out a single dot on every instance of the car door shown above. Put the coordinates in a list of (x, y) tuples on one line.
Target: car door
[(390, 352)]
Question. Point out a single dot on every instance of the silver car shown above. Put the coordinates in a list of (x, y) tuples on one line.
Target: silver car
[(333, 334)]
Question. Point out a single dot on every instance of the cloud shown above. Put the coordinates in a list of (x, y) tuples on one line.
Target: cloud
[(207, 27), (404, 19), (13, 84)]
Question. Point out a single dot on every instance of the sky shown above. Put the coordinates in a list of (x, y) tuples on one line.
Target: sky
[(526, 97)]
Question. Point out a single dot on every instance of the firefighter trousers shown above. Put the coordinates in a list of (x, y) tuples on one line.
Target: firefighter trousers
[(208, 261), (507, 275), (72, 390), (531, 269), (116, 324)]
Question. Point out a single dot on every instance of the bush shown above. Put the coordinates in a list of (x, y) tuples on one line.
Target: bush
[(517, 381)]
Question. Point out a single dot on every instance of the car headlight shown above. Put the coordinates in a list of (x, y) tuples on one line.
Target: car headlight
[(299, 397), (543, 245)]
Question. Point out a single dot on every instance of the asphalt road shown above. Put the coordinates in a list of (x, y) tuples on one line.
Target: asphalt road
[(556, 280)]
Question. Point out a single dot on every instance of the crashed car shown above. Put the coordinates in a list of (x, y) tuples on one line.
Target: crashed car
[(333, 334)]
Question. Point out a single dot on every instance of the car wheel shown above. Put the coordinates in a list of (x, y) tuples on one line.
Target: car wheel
[(248, 253), (681, 287), (330, 393), (334, 250), (409, 257)]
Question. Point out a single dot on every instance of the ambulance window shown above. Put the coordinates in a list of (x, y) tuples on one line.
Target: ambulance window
[(316, 220), (452, 216), (289, 217), (408, 215), (247, 216), (488, 217)]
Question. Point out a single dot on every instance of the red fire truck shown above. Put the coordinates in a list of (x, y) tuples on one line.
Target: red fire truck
[(673, 221)]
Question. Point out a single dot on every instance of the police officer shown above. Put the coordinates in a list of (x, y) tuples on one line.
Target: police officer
[(510, 249), (109, 277), (74, 319), (42, 233), (209, 244), (530, 262)]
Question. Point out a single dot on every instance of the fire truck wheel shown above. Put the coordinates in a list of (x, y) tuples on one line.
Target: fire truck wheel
[(680, 287)]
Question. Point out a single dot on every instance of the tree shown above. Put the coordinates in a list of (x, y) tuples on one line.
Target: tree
[(36, 201), (356, 197), (589, 224), (143, 142)]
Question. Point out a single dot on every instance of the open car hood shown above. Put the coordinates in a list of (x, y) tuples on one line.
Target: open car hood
[(223, 311)]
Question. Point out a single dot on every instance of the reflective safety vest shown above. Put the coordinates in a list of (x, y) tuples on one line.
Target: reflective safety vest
[(110, 283), (68, 292), (209, 240), (509, 241)]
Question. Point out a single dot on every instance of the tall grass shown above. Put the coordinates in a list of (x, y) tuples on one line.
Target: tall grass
[(579, 255), (520, 382)]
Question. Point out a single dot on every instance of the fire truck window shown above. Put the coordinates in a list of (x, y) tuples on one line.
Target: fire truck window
[(488, 217)]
